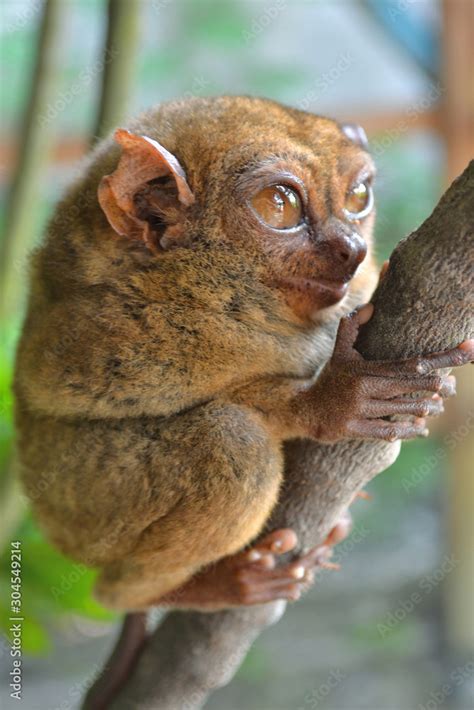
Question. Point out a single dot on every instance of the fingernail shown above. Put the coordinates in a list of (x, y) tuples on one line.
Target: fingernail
[(422, 368), (277, 545), (254, 555), (298, 572), (425, 433)]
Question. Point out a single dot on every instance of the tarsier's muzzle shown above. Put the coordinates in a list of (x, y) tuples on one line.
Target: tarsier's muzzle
[(342, 247)]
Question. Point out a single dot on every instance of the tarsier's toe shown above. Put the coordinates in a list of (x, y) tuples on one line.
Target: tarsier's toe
[(341, 529), (277, 542), (257, 584), (259, 579)]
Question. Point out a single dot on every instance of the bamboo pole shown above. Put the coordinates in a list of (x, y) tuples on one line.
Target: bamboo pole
[(21, 226), (118, 64)]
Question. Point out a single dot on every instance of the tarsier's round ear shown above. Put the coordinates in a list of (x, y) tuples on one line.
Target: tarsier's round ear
[(143, 159), (356, 134)]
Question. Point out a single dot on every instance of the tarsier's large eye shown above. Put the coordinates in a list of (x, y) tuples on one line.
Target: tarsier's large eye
[(279, 206), (359, 201)]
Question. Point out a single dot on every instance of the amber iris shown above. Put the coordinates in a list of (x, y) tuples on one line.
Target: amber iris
[(279, 206), (359, 200)]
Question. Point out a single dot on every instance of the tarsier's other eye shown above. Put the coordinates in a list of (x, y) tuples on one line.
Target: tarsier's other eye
[(359, 201), (279, 206)]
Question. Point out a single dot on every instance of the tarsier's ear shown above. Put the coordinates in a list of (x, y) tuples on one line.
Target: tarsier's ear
[(356, 134), (148, 182)]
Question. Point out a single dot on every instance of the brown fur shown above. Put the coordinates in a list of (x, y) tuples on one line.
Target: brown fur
[(137, 384)]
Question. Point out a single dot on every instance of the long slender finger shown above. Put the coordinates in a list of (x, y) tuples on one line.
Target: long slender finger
[(422, 365), (416, 407), (315, 556), (388, 431), (286, 573), (460, 355), (385, 387), (252, 582), (291, 592), (263, 562)]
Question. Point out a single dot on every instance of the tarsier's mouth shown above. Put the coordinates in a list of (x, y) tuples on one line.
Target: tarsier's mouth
[(324, 292)]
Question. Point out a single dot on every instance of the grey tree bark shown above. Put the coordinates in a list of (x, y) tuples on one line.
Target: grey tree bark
[(424, 304)]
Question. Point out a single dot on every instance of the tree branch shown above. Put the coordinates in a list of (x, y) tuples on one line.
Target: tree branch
[(35, 139), (424, 304), (118, 64)]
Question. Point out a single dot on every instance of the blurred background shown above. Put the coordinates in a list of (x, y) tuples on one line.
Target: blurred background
[(394, 629)]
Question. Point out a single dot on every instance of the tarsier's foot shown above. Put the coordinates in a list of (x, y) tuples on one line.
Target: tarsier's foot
[(253, 577)]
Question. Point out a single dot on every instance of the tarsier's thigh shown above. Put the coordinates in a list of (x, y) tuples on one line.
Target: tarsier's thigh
[(225, 471)]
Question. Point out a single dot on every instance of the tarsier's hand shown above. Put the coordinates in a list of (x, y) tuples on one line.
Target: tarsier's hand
[(352, 395)]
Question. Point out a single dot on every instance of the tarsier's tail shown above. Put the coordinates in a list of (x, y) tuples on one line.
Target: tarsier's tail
[(122, 660)]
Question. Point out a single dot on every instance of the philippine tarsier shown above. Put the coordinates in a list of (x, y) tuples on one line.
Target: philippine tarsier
[(183, 312)]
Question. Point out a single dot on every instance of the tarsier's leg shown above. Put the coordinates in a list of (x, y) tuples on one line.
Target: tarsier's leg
[(227, 470)]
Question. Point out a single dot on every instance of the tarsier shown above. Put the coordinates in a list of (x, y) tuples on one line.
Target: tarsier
[(181, 326)]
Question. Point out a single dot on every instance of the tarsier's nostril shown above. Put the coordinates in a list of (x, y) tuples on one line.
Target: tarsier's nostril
[(345, 245), (351, 250)]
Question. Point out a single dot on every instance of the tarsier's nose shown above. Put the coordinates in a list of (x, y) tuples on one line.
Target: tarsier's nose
[(344, 246)]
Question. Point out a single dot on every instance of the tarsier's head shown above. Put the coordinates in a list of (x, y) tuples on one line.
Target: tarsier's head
[(291, 189)]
